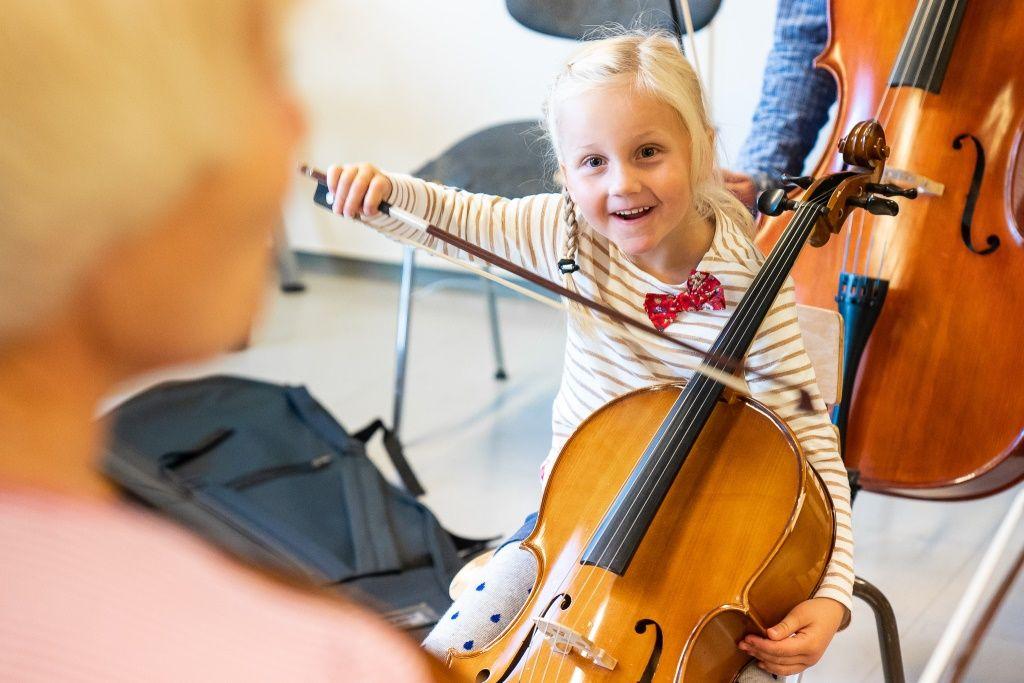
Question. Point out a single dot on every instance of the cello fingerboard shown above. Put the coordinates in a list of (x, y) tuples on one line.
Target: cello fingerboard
[(928, 45)]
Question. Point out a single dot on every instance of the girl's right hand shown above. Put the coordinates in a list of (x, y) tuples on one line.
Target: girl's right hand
[(357, 189)]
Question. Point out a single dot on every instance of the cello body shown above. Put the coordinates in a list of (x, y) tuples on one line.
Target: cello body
[(744, 534), (935, 411)]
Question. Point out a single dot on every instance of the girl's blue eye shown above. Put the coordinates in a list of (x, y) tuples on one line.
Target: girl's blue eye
[(593, 162)]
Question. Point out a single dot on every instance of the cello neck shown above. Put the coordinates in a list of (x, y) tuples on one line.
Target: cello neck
[(738, 334)]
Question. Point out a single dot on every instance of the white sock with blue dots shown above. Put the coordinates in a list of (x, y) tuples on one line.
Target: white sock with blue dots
[(482, 611), (752, 674)]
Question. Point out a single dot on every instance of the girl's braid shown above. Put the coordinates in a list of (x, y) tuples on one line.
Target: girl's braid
[(568, 264)]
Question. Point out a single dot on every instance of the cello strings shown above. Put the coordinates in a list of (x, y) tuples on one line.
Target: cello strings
[(881, 261), (895, 263), (907, 56), (846, 246), (945, 37), (871, 244), (856, 249), (583, 588), (702, 393), (942, 44), (953, 10)]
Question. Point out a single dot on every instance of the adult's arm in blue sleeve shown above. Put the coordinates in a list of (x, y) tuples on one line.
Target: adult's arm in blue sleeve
[(795, 96)]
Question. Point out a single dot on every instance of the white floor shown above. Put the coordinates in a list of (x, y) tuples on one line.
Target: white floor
[(476, 444)]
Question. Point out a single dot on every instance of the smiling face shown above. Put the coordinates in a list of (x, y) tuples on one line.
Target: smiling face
[(625, 157)]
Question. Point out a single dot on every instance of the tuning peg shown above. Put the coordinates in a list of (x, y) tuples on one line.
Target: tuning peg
[(774, 202), (890, 190), (875, 205), (802, 181)]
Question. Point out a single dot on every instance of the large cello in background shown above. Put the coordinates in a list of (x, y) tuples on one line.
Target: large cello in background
[(937, 409)]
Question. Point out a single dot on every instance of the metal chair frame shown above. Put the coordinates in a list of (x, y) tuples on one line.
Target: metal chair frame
[(289, 275), (405, 291)]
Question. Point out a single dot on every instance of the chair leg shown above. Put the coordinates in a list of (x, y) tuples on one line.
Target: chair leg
[(499, 354), (974, 640), (287, 266), (937, 668), (888, 634), (402, 334)]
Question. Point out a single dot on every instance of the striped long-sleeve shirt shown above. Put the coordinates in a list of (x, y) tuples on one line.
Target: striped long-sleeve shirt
[(601, 364)]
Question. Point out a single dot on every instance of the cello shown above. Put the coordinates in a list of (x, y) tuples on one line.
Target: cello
[(944, 279), (703, 523)]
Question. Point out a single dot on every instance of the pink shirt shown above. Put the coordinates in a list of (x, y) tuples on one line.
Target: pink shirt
[(94, 592)]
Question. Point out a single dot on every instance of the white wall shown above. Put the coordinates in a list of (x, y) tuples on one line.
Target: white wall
[(395, 82)]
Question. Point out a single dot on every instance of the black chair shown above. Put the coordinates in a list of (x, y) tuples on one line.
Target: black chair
[(510, 160)]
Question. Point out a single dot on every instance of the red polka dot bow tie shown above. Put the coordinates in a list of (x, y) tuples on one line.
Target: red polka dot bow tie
[(703, 293)]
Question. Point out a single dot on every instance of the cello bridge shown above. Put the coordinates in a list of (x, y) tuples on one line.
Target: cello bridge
[(565, 641), (923, 184)]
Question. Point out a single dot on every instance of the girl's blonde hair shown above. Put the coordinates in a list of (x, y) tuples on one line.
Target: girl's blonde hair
[(652, 63), (110, 108)]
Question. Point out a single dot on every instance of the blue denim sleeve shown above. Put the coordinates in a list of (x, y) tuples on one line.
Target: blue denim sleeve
[(795, 96)]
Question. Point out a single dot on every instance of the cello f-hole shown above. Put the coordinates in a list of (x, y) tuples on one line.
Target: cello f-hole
[(972, 197), (652, 661), (485, 674)]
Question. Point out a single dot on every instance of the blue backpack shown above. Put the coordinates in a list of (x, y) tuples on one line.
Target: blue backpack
[(266, 473)]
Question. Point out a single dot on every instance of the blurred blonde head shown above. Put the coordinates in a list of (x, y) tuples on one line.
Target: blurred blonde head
[(110, 111), (652, 63)]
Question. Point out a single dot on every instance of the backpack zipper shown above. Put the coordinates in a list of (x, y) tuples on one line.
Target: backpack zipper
[(268, 473)]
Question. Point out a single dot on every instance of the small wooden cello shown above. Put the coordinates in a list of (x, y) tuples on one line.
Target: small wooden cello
[(703, 522)]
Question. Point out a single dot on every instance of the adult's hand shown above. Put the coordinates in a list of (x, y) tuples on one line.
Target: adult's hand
[(741, 185)]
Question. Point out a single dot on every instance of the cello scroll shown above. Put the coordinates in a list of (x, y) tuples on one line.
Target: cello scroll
[(865, 150)]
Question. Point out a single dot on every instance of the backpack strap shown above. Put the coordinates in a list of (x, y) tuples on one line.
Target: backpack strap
[(471, 547), (395, 452), (318, 419), (327, 428)]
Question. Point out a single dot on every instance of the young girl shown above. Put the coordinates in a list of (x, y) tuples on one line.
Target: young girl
[(644, 211)]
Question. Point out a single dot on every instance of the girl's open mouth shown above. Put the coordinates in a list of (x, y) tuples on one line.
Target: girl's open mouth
[(633, 214)]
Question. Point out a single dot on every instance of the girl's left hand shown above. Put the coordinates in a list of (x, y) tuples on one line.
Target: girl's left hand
[(799, 640)]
